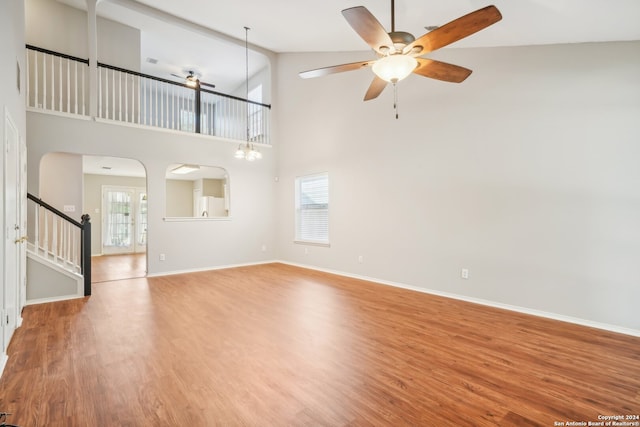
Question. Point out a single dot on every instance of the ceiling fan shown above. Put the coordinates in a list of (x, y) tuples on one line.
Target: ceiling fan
[(191, 80), (399, 53)]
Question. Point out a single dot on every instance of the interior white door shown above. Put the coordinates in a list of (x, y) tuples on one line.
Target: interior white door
[(13, 230)]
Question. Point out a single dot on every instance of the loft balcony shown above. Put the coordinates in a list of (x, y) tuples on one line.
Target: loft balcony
[(59, 83)]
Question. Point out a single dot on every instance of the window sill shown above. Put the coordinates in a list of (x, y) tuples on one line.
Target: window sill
[(306, 242)]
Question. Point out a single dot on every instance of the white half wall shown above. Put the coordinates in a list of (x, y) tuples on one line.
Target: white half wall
[(526, 174)]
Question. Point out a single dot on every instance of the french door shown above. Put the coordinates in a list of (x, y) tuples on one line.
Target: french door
[(124, 220)]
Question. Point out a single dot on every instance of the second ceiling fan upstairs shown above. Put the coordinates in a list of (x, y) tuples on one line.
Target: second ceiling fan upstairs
[(399, 53), (192, 80)]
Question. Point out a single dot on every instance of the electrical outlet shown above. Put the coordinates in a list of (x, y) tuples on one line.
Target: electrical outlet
[(360, 259), (464, 273), (162, 257)]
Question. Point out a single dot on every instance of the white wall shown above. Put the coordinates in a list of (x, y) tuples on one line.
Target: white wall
[(61, 182), (61, 28), (188, 245), (526, 174), (44, 28), (179, 198)]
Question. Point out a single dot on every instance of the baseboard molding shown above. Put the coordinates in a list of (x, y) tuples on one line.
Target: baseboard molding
[(3, 362), (518, 309), (52, 299), (218, 267)]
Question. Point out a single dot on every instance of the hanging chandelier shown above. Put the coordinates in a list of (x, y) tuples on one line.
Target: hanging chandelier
[(247, 150)]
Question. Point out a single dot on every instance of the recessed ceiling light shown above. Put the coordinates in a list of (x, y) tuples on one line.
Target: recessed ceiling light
[(431, 27), (184, 169), (152, 60), (106, 168)]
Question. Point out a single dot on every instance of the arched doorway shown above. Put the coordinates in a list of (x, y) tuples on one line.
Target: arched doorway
[(115, 195)]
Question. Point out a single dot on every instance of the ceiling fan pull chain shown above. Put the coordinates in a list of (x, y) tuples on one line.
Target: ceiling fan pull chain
[(395, 99)]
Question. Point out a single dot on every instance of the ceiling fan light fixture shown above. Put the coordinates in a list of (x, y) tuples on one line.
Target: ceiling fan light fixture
[(192, 80), (394, 68)]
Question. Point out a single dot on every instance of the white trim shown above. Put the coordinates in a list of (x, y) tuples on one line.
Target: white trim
[(312, 243), (58, 113), (518, 309), (3, 362), (195, 218), (52, 299), (218, 267)]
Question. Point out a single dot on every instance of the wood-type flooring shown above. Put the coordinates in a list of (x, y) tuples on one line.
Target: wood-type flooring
[(117, 267), (277, 345)]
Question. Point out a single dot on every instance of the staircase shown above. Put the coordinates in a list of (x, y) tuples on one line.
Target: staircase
[(58, 254)]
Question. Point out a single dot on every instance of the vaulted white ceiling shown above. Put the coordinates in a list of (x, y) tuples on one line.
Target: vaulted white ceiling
[(303, 26), (309, 26)]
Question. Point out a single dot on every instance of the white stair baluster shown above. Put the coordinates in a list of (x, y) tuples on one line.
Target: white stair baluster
[(60, 84), (68, 86)]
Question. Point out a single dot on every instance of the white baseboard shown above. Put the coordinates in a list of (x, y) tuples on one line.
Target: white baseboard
[(524, 310), (53, 299), (218, 267), (3, 362)]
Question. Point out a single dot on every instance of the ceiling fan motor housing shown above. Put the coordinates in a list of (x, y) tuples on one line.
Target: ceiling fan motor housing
[(401, 39)]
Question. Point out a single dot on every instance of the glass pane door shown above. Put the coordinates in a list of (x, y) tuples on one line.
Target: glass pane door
[(117, 228)]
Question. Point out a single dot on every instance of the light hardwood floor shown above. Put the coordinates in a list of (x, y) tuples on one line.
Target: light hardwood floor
[(276, 345), (117, 267)]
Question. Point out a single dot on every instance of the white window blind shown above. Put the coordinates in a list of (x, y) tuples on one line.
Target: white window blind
[(312, 208)]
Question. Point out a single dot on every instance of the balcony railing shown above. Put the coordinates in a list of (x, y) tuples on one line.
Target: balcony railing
[(60, 83), (57, 82)]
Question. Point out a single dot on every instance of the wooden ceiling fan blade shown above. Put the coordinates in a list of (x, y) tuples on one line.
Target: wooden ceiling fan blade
[(375, 89), (368, 27), (319, 72), (441, 70), (455, 30)]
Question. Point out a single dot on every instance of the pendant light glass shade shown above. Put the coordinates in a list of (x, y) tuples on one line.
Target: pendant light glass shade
[(247, 152)]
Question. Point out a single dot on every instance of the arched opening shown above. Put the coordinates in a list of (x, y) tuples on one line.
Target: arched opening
[(113, 192)]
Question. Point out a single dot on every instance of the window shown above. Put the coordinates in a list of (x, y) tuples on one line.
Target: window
[(312, 209)]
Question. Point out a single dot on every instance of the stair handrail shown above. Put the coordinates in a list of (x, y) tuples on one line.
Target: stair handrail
[(54, 210)]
